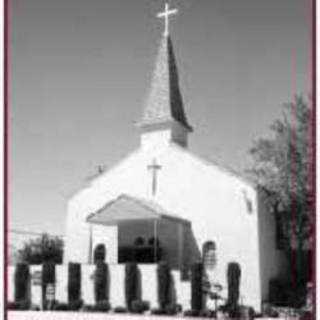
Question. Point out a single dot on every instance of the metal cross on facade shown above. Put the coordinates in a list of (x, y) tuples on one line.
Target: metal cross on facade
[(154, 167), (166, 14)]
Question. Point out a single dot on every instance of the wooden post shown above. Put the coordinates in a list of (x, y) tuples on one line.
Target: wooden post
[(90, 245), (155, 231), (180, 246)]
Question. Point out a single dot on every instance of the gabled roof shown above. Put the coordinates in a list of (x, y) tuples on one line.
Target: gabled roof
[(218, 164), (164, 103), (128, 208)]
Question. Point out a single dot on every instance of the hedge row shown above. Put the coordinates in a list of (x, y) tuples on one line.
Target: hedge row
[(101, 288), (134, 303), (101, 285)]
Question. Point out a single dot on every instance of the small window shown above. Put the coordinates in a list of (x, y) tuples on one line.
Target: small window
[(248, 202), (209, 254), (280, 234)]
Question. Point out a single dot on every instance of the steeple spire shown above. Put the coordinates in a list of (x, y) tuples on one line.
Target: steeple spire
[(164, 105)]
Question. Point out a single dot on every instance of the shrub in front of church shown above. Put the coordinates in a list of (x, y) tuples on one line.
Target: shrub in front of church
[(281, 293), (191, 313), (246, 312), (101, 282), (233, 277), (158, 311), (201, 313), (164, 285), (101, 306), (21, 305), (139, 306), (173, 308), (60, 306), (119, 309), (75, 305), (208, 314), (22, 283), (131, 284), (196, 287), (74, 285), (170, 309), (48, 273), (48, 277), (99, 253)]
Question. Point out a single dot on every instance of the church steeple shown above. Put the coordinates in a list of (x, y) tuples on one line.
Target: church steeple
[(164, 111)]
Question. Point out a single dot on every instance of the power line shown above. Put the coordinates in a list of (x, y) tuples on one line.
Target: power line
[(24, 232)]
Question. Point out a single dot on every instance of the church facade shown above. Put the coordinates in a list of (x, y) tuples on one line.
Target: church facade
[(162, 202)]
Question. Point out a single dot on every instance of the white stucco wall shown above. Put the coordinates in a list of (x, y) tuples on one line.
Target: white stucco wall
[(117, 283), (182, 290), (156, 139), (149, 284), (196, 190), (36, 290), (87, 283), (107, 235), (62, 283), (272, 261), (10, 282)]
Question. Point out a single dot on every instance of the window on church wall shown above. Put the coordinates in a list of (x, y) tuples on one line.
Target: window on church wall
[(209, 255), (99, 253), (280, 233), (248, 202)]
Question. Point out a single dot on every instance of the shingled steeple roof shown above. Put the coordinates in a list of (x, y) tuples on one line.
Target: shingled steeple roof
[(164, 103)]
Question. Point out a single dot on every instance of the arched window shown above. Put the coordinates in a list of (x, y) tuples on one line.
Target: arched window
[(209, 254), (99, 253)]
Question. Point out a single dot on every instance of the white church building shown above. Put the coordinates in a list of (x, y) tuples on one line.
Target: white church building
[(169, 202)]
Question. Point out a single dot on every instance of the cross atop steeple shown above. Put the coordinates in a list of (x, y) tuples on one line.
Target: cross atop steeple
[(166, 14)]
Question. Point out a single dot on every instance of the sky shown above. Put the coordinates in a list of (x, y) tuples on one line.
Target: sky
[(80, 72)]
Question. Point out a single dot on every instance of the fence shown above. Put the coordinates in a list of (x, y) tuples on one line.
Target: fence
[(149, 285)]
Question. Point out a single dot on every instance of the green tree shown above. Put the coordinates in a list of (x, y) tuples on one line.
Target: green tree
[(283, 165), (42, 249)]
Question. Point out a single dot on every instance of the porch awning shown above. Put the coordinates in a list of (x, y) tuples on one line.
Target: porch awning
[(128, 208)]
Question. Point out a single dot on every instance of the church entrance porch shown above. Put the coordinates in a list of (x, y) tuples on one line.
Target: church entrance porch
[(139, 241), (146, 233)]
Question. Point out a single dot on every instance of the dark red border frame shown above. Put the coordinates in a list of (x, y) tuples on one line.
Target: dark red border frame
[(5, 150), (313, 7), (313, 76)]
